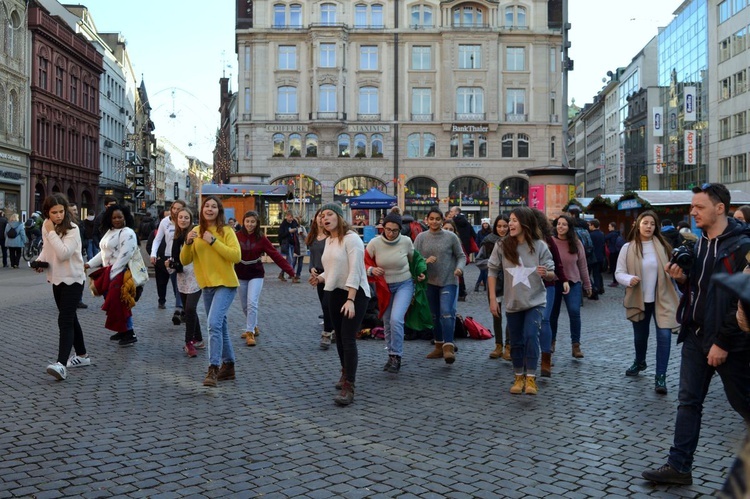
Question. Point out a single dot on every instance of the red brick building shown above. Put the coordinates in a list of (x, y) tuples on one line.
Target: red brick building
[(64, 112)]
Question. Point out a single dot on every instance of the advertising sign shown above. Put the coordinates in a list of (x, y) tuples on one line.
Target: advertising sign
[(556, 198), (658, 119), (690, 153), (658, 159), (689, 104), (536, 197)]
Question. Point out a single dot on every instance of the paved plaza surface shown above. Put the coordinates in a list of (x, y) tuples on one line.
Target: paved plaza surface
[(139, 423)]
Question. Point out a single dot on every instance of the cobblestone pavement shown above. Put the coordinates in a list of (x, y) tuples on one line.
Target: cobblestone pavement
[(138, 422)]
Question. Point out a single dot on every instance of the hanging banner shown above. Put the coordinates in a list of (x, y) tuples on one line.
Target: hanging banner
[(536, 197), (690, 138), (658, 121), (658, 159), (689, 104), (621, 166)]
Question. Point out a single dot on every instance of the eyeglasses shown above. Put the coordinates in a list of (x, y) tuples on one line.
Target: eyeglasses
[(392, 231)]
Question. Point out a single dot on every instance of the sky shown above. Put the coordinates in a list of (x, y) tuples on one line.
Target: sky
[(182, 48)]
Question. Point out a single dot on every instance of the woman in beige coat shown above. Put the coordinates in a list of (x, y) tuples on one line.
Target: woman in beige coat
[(650, 292)]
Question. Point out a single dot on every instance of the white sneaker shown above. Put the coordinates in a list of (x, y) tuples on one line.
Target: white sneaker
[(76, 361), (57, 370)]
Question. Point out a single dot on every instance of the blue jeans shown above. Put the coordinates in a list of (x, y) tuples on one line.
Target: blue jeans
[(663, 340), (524, 330), (249, 298), (393, 318), (545, 336), (573, 304), (217, 301), (92, 249), (442, 300), (695, 378)]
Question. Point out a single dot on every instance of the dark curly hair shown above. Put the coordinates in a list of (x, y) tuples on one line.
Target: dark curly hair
[(50, 202), (107, 217)]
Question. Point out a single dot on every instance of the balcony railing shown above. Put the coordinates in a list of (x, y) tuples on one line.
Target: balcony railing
[(516, 118), (368, 117), (246, 116), (287, 116), (421, 117), (287, 26), (470, 26), (369, 26), (470, 116), (328, 115)]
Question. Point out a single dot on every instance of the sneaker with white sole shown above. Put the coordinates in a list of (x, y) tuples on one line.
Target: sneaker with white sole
[(200, 345), (57, 371), (77, 361)]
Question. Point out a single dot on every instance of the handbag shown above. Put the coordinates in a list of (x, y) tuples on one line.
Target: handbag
[(138, 268)]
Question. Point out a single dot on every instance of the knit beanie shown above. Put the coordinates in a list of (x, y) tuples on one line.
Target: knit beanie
[(394, 218), (334, 207)]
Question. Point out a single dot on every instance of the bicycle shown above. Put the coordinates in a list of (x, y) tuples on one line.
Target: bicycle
[(32, 249)]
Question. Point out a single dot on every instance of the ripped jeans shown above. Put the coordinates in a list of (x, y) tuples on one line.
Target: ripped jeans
[(524, 327), (442, 300)]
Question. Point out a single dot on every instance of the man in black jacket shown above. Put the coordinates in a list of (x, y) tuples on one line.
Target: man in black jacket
[(712, 340), (466, 234), (287, 235)]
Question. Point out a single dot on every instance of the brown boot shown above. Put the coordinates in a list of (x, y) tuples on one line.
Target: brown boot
[(226, 371), (341, 380), (546, 365), (552, 350), (281, 277), (295, 280), (346, 396), (577, 351), (448, 354), (497, 352), (437, 353), (250, 338), (211, 376), (506, 353)]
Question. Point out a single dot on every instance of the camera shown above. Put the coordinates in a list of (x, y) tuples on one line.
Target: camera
[(38, 265), (683, 256)]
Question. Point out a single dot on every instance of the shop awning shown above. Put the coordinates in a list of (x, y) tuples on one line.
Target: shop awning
[(373, 200)]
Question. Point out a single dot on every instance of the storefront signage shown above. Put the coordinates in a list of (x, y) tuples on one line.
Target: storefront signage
[(286, 128), (658, 114), (689, 104), (369, 128), (13, 175), (658, 159), (628, 204), (470, 129), (690, 137), (11, 157)]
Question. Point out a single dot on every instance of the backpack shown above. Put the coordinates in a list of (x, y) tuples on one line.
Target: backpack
[(414, 230), (12, 233), (476, 330), (460, 330), (588, 244)]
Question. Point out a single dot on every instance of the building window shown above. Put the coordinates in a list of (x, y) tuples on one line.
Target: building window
[(12, 112), (295, 145), (288, 57), (469, 56), (739, 41), (279, 16), (73, 141), (553, 59), (247, 100), (287, 18), (421, 58), (343, 143), (279, 145), (515, 59), (376, 146), (247, 146), (724, 10), (43, 68), (725, 49), (327, 55), (421, 16), (482, 142), (725, 88), (421, 103), (73, 90), (311, 146), (420, 145), (523, 145), (368, 58), (360, 146), (85, 97), (725, 170), (470, 100), (515, 102), (13, 23), (295, 16), (287, 100), (328, 14), (739, 123), (368, 100), (507, 146), (327, 99), (467, 145), (59, 79), (454, 145), (552, 144), (515, 17), (740, 82), (412, 146), (740, 168), (368, 18), (468, 16)]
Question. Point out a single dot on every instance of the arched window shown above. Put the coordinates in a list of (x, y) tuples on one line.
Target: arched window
[(360, 146), (421, 16), (311, 146), (360, 16), (327, 101), (515, 17), (412, 146), (376, 146), (507, 146), (287, 100), (279, 145), (295, 145), (328, 14), (279, 15), (344, 144), (368, 100), (11, 31), (468, 16), (295, 15), (523, 145), (428, 146)]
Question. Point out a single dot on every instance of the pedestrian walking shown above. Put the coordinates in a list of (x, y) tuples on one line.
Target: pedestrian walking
[(15, 239), (485, 231), (649, 292), (213, 249), (347, 292), (445, 264), (3, 224), (599, 261), (300, 250), (117, 247), (525, 262), (165, 233), (500, 230), (286, 236), (613, 242), (187, 285), (390, 256), (250, 271), (316, 242), (62, 260), (712, 342), (573, 258)]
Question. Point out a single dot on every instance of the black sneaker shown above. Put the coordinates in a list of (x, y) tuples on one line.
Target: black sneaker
[(668, 475), (661, 384), (176, 319), (635, 369), (387, 366), (81, 305), (395, 365), (128, 341), (117, 336)]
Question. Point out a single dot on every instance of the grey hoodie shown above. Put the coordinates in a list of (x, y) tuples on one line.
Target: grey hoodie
[(524, 289)]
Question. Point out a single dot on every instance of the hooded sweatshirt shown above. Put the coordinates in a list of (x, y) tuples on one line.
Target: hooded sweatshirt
[(524, 288)]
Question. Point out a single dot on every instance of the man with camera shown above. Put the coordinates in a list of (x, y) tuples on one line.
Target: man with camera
[(712, 340)]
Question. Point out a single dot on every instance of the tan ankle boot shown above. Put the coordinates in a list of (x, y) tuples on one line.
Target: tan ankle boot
[(497, 352), (546, 369), (506, 353), (577, 351), (518, 384), (448, 354), (437, 353), (250, 338)]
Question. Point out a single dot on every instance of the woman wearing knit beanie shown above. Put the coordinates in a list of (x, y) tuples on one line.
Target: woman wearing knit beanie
[(346, 290), (390, 257)]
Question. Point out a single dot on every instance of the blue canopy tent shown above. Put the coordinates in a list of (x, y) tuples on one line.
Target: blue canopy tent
[(373, 200)]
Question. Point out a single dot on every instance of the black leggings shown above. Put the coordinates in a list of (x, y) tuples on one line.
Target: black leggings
[(347, 329), (67, 297), (327, 326), (192, 322)]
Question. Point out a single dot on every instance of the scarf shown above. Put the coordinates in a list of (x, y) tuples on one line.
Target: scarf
[(666, 299)]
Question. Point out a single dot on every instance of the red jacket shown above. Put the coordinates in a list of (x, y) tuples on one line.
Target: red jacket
[(382, 290), (253, 246), (117, 312)]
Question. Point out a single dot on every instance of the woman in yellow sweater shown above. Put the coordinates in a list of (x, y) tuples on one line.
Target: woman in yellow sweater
[(213, 249)]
